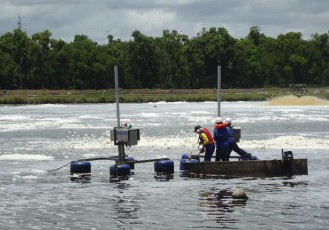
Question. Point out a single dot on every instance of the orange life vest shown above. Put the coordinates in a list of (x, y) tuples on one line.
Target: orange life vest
[(208, 134)]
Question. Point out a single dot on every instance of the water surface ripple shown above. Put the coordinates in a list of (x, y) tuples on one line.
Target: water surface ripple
[(37, 138)]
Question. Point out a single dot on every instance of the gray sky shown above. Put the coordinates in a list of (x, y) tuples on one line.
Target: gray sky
[(98, 18)]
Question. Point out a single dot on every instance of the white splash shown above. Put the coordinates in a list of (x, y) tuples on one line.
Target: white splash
[(285, 116), (158, 103), (287, 142), (189, 143), (149, 115), (25, 157), (13, 117), (199, 112), (88, 117)]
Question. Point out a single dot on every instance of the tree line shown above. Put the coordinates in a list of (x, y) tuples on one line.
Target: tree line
[(171, 61)]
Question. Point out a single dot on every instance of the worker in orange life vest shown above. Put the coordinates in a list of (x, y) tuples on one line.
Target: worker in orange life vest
[(206, 141), (232, 145), (221, 139)]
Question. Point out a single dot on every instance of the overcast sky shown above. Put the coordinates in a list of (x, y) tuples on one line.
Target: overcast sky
[(98, 18)]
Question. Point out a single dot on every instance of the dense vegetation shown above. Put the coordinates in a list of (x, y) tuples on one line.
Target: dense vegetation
[(171, 61)]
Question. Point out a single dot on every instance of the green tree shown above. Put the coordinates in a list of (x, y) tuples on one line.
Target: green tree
[(214, 47), (81, 58), (171, 60), (291, 52), (318, 56), (15, 45), (38, 52), (142, 62)]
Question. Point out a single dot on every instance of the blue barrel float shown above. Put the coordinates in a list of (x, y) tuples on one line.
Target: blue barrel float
[(164, 167), (185, 158), (83, 167), (183, 161), (131, 164), (181, 164), (121, 171)]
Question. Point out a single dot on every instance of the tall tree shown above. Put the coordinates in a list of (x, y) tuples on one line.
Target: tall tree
[(171, 59), (142, 62)]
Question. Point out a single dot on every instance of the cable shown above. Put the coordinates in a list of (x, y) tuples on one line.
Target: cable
[(59, 167), (87, 159)]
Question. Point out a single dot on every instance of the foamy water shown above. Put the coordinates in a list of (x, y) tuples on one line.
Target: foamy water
[(25, 157), (38, 138)]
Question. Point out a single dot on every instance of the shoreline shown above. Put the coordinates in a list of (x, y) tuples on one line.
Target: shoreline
[(21, 97)]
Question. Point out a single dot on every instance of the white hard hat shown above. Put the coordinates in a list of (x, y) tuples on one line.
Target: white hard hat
[(218, 120), (227, 120)]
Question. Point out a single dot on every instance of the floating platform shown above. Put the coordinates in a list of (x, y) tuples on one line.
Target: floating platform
[(249, 168)]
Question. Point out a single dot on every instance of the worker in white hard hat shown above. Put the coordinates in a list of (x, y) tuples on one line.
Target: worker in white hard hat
[(218, 120), (221, 138), (232, 145)]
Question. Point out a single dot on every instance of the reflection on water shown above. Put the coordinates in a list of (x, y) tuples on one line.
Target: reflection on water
[(219, 204), (125, 206), (293, 184), (295, 100)]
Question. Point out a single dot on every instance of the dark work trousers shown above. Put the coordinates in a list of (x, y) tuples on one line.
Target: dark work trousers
[(222, 151), (234, 146), (209, 150)]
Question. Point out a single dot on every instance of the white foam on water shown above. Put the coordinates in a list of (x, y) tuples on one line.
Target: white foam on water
[(152, 125), (149, 115), (169, 142), (199, 112), (38, 171), (296, 117), (287, 110), (90, 155), (158, 103), (14, 118), (86, 143), (28, 177), (47, 106), (202, 119), (287, 142), (25, 157), (65, 146), (181, 114), (38, 126), (89, 117), (165, 102), (261, 119), (48, 123), (177, 102), (189, 143)]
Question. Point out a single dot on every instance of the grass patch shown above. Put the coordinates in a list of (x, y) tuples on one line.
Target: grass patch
[(147, 95)]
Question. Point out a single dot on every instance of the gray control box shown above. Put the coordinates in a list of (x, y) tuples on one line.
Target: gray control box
[(124, 136)]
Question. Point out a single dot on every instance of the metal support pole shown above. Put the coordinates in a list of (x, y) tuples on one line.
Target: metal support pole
[(121, 147), (219, 89), (117, 97)]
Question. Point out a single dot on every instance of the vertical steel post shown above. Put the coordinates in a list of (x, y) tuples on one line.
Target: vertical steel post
[(117, 96), (121, 147), (219, 89)]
